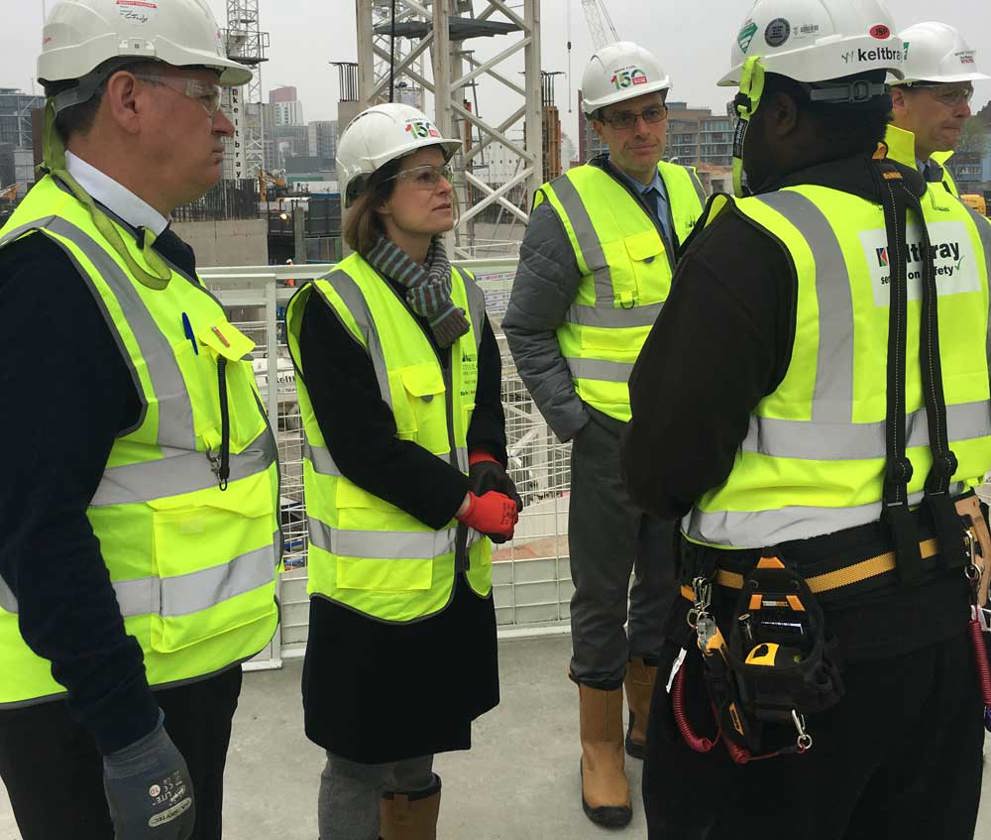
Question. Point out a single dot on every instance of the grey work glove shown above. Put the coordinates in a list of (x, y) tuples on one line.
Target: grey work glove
[(149, 790)]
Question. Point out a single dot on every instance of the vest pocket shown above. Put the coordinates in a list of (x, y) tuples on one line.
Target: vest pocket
[(425, 405), (648, 265), (200, 601)]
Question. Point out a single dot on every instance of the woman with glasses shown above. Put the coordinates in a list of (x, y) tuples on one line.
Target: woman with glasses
[(399, 389)]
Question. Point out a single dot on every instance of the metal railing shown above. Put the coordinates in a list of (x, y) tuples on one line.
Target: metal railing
[(531, 576)]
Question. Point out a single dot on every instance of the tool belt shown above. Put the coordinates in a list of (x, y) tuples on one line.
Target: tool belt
[(778, 663)]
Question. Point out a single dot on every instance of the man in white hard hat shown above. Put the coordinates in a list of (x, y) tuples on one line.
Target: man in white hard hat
[(595, 269), (817, 437), (931, 105), (139, 525)]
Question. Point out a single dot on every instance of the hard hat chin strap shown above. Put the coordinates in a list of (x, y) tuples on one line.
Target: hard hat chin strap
[(745, 105), (53, 152)]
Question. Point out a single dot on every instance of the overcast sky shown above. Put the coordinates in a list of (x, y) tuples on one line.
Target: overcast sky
[(692, 38)]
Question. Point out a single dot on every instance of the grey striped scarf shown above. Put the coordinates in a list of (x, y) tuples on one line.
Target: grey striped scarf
[(428, 287)]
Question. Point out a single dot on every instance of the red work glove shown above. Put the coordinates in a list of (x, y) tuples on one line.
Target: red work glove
[(493, 514), (486, 473)]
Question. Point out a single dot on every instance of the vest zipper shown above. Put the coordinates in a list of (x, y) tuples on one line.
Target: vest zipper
[(223, 465)]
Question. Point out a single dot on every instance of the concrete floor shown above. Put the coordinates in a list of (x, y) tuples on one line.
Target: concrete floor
[(519, 782)]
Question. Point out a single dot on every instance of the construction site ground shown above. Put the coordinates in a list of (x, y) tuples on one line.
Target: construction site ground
[(519, 782)]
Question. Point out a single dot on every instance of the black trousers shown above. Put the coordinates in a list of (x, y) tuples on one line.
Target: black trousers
[(898, 757), (54, 774)]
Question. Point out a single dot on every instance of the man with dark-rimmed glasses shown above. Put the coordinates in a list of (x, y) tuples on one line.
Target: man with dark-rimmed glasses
[(932, 104), (595, 269)]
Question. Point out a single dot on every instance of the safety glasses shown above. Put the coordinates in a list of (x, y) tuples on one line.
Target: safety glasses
[(627, 119), (206, 93), (950, 95), (425, 177)]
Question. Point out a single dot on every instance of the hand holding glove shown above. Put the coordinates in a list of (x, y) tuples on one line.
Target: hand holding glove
[(493, 514), (486, 473), (149, 789)]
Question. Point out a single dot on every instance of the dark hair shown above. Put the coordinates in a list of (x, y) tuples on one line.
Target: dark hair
[(363, 226), (844, 129), (79, 119)]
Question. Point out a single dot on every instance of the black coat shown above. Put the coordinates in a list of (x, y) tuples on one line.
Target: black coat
[(376, 692)]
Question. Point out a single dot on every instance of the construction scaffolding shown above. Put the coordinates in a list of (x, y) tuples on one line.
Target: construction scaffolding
[(441, 29), (246, 44)]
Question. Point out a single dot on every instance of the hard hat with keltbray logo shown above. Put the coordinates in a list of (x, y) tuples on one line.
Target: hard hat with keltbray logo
[(834, 48), (381, 134), (936, 53), (620, 71)]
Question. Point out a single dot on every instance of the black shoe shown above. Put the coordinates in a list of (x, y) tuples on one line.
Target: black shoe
[(633, 749), (608, 816)]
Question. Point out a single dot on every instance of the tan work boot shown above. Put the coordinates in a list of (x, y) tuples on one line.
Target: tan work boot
[(639, 689), (605, 790), (410, 816)]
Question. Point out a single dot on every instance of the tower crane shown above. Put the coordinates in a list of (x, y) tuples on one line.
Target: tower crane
[(600, 25)]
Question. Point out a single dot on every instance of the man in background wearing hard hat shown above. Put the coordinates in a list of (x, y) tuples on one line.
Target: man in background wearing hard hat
[(931, 104), (139, 526), (818, 439), (595, 268)]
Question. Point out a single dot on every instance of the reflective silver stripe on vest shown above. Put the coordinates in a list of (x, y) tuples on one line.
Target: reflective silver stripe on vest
[(833, 396), (611, 316), (355, 301), (984, 231), (476, 305), (757, 529), (7, 600), (324, 464), (600, 369), (699, 191), (382, 545), (175, 420), (588, 239), (190, 593), (852, 441), (179, 472)]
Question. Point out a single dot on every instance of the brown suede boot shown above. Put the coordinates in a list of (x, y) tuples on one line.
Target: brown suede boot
[(410, 816), (639, 689), (605, 790)]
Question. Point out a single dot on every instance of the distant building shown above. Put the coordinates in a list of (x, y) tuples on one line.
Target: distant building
[(15, 116), (322, 139), (286, 107)]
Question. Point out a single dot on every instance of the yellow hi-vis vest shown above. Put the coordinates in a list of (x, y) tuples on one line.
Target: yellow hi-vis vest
[(364, 552), (813, 461), (901, 148), (193, 566), (626, 268)]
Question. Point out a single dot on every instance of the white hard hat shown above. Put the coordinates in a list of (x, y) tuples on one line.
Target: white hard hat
[(381, 134), (80, 35), (936, 52), (817, 40), (620, 71)]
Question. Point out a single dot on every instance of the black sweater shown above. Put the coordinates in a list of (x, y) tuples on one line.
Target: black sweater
[(67, 394), (362, 437)]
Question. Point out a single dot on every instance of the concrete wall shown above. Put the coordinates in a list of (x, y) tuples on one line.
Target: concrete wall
[(237, 242)]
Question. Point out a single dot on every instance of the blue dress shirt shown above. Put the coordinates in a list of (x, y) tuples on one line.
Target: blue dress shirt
[(657, 199)]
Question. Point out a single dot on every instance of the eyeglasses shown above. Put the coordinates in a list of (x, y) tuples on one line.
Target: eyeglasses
[(206, 93), (425, 177), (950, 95), (627, 119)]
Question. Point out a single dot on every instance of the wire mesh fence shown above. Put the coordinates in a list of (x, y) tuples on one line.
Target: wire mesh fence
[(531, 577)]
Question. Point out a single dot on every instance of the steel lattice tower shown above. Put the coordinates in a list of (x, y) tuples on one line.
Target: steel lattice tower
[(247, 44)]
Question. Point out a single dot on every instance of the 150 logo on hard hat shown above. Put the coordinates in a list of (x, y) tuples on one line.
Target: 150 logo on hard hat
[(421, 129), (628, 77)]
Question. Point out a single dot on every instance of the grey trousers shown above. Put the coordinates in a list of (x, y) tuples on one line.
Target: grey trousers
[(609, 537), (348, 803)]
